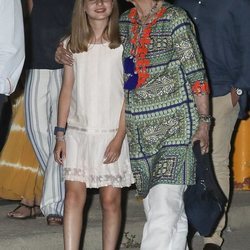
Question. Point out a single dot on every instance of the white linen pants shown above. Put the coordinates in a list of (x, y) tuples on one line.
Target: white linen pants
[(166, 224), (41, 100)]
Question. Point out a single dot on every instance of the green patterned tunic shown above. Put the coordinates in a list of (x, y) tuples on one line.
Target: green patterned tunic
[(161, 116)]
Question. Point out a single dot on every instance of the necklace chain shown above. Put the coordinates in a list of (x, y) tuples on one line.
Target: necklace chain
[(145, 18)]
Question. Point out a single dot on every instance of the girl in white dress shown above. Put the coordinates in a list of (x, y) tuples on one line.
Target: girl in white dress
[(94, 151)]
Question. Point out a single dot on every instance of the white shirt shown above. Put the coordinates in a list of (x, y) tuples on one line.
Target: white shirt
[(11, 44)]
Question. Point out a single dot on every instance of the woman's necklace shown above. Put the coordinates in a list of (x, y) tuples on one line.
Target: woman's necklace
[(144, 18), (136, 65)]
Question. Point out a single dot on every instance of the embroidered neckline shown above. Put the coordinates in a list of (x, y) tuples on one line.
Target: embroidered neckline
[(140, 43)]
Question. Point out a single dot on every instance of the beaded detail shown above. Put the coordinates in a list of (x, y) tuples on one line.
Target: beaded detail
[(138, 63), (200, 88)]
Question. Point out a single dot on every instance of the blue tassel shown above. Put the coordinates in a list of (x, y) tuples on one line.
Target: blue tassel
[(131, 82), (129, 65)]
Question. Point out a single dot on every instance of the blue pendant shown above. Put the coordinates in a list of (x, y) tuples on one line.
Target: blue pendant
[(131, 82), (129, 69), (129, 65)]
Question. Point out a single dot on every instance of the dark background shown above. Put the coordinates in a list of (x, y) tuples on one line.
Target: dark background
[(123, 5)]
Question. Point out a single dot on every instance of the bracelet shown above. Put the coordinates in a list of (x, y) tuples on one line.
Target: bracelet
[(60, 138), (205, 118), (59, 129)]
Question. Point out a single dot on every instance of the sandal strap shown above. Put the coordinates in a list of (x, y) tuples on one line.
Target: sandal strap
[(16, 208), (22, 205), (25, 205)]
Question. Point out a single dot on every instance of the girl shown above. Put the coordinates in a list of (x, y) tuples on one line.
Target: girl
[(94, 152)]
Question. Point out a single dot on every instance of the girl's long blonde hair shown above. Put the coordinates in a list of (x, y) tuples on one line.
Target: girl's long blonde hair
[(82, 33)]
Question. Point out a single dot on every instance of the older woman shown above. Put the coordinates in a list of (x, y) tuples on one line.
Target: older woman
[(166, 94), (166, 110)]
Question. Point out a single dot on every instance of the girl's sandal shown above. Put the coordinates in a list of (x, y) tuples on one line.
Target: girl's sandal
[(17, 215)]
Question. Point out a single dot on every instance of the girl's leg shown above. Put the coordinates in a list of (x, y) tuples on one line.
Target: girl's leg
[(74, 203), (111, 211)]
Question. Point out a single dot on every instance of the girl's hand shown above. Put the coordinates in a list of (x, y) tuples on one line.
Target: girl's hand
[(63, 56), (60, 152), (113, 151), (202, 134)]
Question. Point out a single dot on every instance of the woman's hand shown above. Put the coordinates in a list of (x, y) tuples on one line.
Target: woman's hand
[(112, 151), (60, 152), (202, 134), (63, 56), (234, 97)]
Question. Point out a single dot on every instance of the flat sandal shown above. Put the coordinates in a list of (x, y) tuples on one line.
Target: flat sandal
[(31, 215)]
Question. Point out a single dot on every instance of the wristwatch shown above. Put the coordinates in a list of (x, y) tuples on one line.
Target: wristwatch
[(59, 129)]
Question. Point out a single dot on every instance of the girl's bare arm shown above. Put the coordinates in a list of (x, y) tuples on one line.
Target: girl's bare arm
[(63, 112), (113, 150)]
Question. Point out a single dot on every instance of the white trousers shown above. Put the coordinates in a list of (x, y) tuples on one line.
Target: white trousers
[(41, 100), (166, 224)]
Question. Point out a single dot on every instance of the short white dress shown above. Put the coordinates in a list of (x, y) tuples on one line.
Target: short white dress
[(96, 104)]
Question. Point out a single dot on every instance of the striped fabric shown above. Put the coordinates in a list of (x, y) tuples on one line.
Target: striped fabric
[(20, 175), (41, 99)]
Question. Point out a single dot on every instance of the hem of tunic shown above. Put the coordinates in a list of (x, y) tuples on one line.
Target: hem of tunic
[(142, 194)]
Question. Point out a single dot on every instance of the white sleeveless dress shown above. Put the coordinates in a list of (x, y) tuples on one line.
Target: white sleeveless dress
[(96, 104)]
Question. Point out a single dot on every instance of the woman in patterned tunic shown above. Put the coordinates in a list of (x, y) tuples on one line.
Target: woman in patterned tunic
[(166, 94)]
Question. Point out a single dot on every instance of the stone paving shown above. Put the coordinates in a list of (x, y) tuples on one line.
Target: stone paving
[(35, 234)]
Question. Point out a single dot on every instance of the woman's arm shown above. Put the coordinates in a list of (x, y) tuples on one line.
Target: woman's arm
[(63, 56), (29, 5), (202, 134), (189, 54)]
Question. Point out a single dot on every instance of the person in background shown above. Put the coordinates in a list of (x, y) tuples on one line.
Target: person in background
[(20, 175), (49, 21), (223, 29), (94, 151), (12, 55)]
